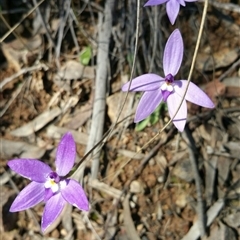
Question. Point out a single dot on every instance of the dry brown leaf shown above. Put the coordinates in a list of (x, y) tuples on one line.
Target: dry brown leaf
[(131, 154), (74, 70), (183, 170), (232, 87), (19, 51), (128, 222), (10, 149), (212, 212), (56, 132), (37, 123), (233, 148), (115, 102), (222, 232), (101, 186), (223, 167), (80, 117), (215, 89), (233, 219), (222, 58)]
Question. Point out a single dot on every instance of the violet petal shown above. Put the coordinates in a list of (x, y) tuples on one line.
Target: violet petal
[(173, 53), (75, 195), (194, 94), (154, 2), (32, 169), (48, 193), (173, 102), (172, 8), (165, 95), (182, 2), (145, 82), (52, 210), (66, 154), (30, 196), (147, 104)]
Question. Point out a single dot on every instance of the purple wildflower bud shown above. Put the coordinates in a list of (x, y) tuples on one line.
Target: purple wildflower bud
[(172, 7), (157, 89), (50, 186)]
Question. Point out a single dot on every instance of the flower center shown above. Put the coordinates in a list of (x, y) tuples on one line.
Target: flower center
[(52, 182), (167, 87), (53, 185)]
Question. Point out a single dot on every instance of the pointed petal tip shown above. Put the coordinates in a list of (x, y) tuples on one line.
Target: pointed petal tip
[(180, 125), (84, 207), (194, 94), (172, 8), (74, 194), (30, 196), (12, 209), (138, 119), (210, 103), (173, 53), (53, 208), (66, 154), (179, 120)]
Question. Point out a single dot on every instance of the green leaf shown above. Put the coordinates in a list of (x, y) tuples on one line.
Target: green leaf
[(85, 55), (141, 125), (130, 58), (154, 117)]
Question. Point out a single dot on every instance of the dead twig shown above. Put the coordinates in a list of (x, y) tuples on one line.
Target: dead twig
[(21, 72), (98, 115), (224, 6), (230, 70), (19, 23), (43, 23), (63, 17), (10, 101), (192, 154)]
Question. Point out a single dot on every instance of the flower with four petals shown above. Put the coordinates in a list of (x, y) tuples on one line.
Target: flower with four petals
[(157, 89), (48, 185)]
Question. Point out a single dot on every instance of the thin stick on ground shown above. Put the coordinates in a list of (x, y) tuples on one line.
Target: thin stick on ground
[(44, 24), (192, 154), (99, 107), (19, 23), (132, 69), (63, 20), (98, 116)]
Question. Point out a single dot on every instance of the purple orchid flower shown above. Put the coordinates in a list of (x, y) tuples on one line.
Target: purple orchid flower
[(49, 186), (172, 7), (157, 89)]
